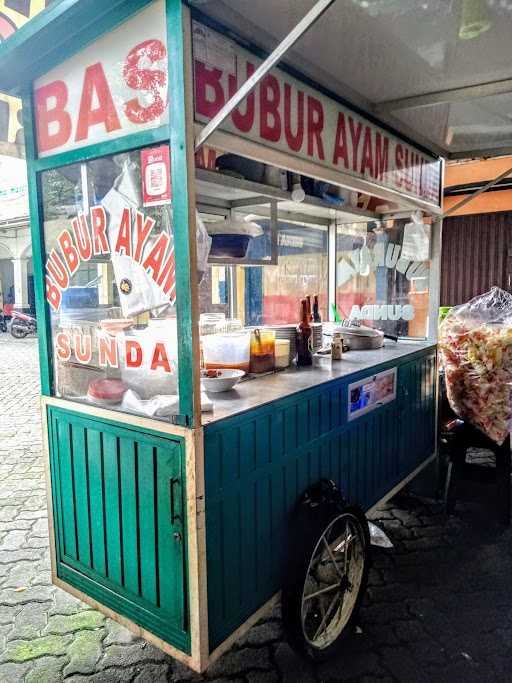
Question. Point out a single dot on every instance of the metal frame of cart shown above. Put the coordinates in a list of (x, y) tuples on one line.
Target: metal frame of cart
[(131, 497)]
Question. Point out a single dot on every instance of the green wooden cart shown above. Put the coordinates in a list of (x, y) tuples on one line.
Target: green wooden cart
[(174, 521)]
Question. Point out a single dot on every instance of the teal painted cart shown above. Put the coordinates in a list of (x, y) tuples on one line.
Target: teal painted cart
[(174, 521)]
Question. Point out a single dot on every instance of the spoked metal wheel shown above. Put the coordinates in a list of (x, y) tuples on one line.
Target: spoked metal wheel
[(326, 576), (333, 581)]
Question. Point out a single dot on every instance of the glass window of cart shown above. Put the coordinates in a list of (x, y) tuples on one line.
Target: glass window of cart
[(110, 282), (382, 274), (269, 294)]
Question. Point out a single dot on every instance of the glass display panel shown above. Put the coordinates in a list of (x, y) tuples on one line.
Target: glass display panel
[(271, 294), (110, 282), (382, 275)]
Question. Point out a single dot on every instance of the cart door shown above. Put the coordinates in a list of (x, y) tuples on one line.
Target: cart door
[(119, 519)]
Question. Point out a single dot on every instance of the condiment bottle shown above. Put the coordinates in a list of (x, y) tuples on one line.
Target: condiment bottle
[(304, 356), (308, 304), (336, 346), (316, 310)]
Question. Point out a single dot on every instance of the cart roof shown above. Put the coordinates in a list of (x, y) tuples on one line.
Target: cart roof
[(438, 71)]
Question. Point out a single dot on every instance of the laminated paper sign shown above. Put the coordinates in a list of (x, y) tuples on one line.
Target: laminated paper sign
[(155, 166)]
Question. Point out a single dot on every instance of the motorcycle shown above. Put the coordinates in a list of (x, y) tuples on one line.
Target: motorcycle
[(22, 324)]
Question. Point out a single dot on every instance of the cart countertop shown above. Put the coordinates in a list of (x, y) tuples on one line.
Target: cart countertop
[(259, 391)]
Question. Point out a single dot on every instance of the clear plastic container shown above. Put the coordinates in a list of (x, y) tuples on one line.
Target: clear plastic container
[(227, 351), (211, 323)]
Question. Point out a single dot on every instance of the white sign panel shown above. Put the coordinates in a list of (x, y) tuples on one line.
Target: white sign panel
[(284, 113), (116, 86), (13, 188)]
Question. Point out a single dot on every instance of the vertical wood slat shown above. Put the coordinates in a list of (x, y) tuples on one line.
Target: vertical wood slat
[(97, 503), (147, 523), (67, 493), (113, 518), (81, 486), (127, 476)]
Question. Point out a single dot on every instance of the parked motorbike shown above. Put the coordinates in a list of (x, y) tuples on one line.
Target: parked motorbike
[(22, 324)]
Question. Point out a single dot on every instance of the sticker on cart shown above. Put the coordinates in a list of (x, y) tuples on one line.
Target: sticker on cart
[(155, 165), (371, 393)]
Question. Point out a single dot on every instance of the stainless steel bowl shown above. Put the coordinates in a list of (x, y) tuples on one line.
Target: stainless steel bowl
[(363, 342)]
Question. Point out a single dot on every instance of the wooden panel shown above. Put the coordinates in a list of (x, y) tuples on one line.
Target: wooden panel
[(113, 512), (129, 513), (67, 493), (81, 490), (97, 501), (148, 523), (112, 508), (252, 485)]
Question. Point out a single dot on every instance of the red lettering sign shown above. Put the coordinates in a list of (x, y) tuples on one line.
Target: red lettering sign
[(53, 123)]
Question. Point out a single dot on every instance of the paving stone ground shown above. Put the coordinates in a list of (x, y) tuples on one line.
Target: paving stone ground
[(438, 608)]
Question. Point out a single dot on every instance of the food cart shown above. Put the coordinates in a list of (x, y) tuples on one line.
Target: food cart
[(170, 508)]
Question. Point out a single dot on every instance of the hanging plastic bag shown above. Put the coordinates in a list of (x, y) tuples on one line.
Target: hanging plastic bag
[(138, 291), (476, 347), (416, 239)]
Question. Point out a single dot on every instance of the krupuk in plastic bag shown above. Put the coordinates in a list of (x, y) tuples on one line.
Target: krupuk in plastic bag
[(476, 347)]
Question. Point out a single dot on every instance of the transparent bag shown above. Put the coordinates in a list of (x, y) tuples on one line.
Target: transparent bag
[(476, 348), (143, 293)]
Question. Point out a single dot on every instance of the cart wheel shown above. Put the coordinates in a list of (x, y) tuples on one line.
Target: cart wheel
[(326, 578), (18, 332)]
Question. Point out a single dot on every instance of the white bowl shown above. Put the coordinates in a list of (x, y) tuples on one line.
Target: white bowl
[(224, 382)]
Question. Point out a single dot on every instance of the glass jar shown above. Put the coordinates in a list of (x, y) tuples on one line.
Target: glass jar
[(263, 346)]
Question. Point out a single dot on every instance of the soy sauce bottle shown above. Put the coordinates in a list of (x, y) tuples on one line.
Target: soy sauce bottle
[(304, 356), (316, 310)]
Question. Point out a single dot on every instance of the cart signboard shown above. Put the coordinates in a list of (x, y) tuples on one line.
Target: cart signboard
[(286, 114), (114, 87)]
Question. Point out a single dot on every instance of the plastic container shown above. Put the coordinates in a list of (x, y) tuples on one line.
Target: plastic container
[(282, 353), (211, 323), (227, 351), (247, 168), (229, 246), (263, 346)]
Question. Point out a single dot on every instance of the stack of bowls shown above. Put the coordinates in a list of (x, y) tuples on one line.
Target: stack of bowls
[(317, 336)]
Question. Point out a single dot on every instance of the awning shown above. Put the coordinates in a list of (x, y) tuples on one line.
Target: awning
[(439, 71)]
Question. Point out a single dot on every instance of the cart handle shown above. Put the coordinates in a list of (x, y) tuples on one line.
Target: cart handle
[(172, 483)]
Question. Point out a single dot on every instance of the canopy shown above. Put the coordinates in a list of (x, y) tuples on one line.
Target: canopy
[(438, 71)]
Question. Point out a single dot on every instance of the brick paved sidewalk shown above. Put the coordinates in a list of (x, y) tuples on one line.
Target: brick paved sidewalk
[(439, 606)]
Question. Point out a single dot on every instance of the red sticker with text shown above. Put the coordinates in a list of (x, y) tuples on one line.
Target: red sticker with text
[(155, 165)]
